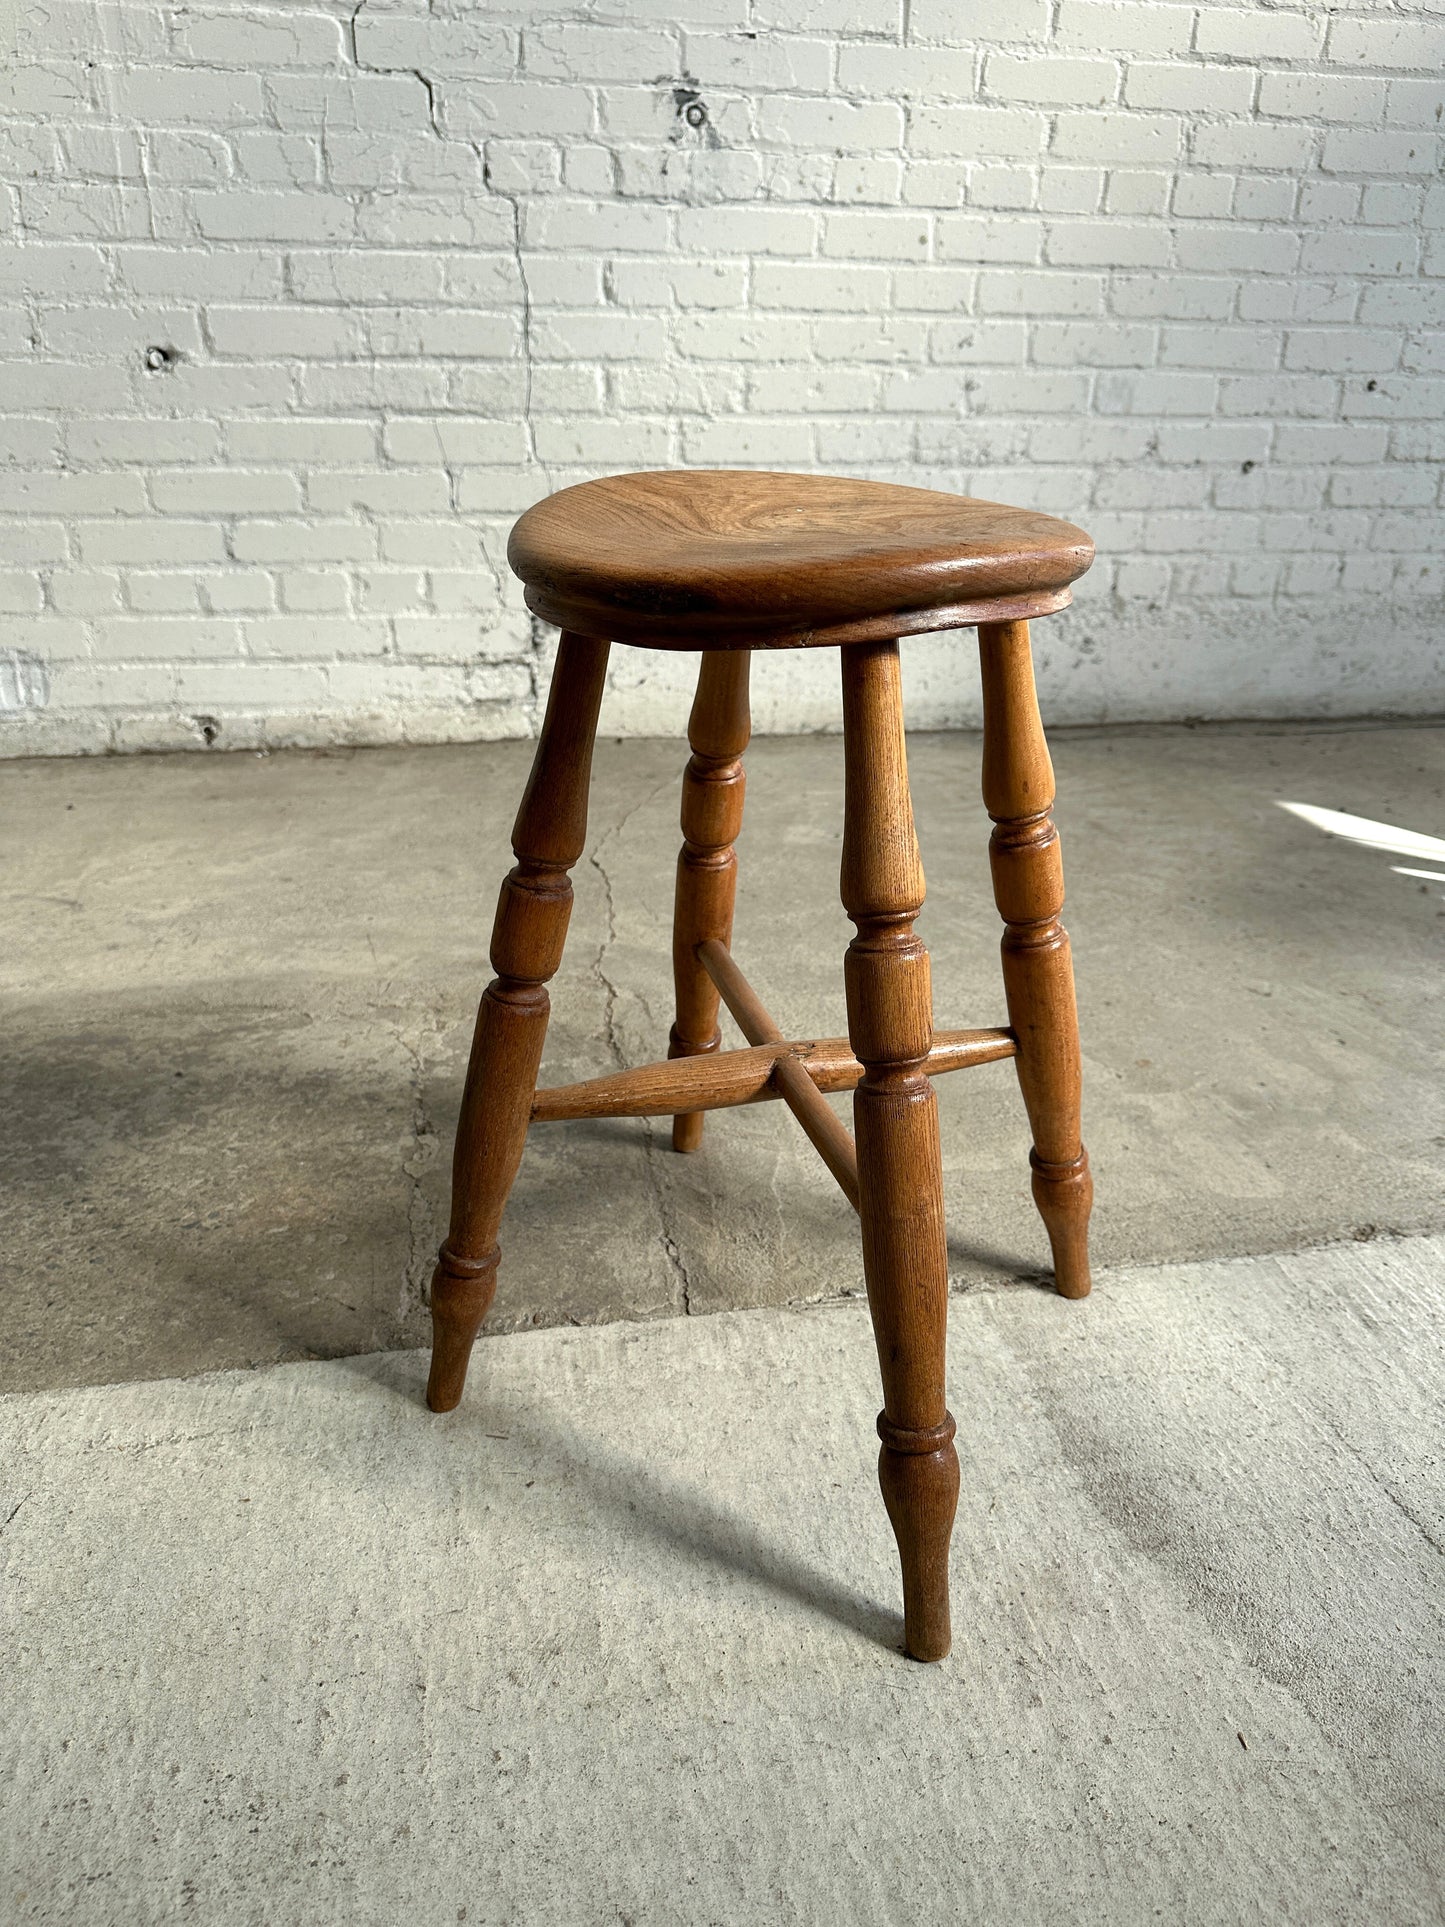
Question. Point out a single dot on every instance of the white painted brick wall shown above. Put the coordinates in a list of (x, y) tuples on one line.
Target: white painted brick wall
[(302, 303)]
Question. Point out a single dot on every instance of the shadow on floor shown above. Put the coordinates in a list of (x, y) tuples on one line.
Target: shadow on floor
[(645, 1499)]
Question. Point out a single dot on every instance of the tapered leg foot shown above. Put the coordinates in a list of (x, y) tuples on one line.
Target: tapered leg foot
[(918, 1472), (1064, 1194), (462, 1290)]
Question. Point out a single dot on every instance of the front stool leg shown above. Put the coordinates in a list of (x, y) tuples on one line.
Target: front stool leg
[(895, 1115), (1038, 974), (527, 939), (707, 865)]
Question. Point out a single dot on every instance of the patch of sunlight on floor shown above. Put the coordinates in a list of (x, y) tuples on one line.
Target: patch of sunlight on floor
[(1376, 836)]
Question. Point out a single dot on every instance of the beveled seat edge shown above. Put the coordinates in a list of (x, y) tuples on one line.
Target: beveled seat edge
[(694, 632)]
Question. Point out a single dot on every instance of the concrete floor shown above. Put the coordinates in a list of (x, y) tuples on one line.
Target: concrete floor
[(240, 991), (617, 1641)]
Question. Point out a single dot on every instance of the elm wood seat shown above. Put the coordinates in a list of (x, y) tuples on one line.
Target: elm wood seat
[(730, 559), (729, 563)]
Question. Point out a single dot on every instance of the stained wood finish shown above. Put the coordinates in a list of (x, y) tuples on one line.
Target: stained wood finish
[(732, 1077), (895, 1117), (707, 865), (825, 1131), (1038, 974), (747, 1008), (729, 562), (737, 559), (527, 939)]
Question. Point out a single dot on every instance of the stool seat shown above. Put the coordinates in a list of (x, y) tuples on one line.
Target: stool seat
[(732, 558)]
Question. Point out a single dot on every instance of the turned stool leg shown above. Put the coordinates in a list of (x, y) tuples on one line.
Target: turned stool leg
[(527, 939), (707, 866), (895, 1115), (1038, 975)]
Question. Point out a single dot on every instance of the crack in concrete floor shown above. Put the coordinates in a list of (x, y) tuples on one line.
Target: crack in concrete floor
[(242, 991)]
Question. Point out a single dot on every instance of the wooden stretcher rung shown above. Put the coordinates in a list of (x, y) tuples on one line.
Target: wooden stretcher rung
[(825, 1130), (737, 993), (725, 1079), (771, 1067)]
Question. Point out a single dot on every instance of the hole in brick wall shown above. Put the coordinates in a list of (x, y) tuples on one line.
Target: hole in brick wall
[(1247, 468), (691, 116), (207, 727), (160, 359), (691, 113)]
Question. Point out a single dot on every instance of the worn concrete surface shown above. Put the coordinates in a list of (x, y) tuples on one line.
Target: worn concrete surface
[(617, 1640), (239, 994)]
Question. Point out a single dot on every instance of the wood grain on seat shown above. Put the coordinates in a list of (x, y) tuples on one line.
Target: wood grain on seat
[(731, 558)]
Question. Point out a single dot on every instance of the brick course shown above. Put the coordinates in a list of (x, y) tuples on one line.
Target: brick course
[(302, 303)]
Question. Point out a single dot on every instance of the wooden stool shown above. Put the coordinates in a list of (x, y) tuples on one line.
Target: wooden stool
[(728, 563)]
